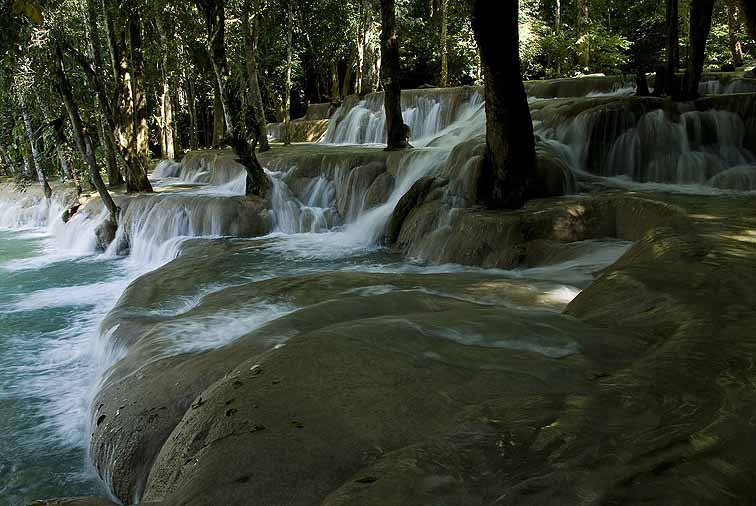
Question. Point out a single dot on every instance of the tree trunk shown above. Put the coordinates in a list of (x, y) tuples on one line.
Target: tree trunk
[(583, 25), (219, 125), (346, 88), (733, 27), (396, 130), (510, 153), (83, 142), (558, 16), (257, 182), (701, 12), (672, 49), (36, 156), (287, 94), (136, 175), (335, 88), (250, 33), (166, 106), (748, 8), (11, 169), (56, 128), (194, 126), (111, 164), (444, 81), (140, 98)]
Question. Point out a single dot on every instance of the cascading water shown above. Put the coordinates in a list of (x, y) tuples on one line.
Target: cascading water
[(328, 213), (424, 112), (686, 147)]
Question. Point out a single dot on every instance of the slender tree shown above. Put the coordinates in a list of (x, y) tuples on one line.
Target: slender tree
[(56, 128), (81, 137), (510, 152), (36, 156), (250, 32), (733, 27), (287, 88), (396, 130), (214, 12)]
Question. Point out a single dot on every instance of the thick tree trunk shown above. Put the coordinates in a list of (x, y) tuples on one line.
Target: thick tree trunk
[(250, 32), (36, 156), (733, 27), (701, 12), (83, 142), (125, 131), (672, 48), (257, 181), (287, 91), (511, 160), (396, 130)]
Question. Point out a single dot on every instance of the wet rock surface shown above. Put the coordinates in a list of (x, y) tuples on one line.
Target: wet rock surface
[(457, 388)]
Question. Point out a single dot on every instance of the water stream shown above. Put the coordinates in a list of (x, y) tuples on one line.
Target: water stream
[(191, 245)]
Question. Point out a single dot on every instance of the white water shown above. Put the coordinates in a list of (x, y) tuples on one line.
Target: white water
[(426, 114), (60, 366)]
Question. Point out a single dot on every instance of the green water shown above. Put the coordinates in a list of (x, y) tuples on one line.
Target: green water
[(50, 308)]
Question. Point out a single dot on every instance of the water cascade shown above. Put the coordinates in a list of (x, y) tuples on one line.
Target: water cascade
[(426, 112), (682, 147)]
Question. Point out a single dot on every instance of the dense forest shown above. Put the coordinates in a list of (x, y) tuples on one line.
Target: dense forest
[(89, 86)]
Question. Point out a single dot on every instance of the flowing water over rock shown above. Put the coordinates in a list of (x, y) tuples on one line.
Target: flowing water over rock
[(202, 285)]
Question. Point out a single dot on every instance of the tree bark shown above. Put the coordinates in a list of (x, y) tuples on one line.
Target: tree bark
[(510, 153), (121, 133), (219, 125), (166, 105), (36, 157), (11, 169), (194, 126), (396, 130), (111, 163), (701, 12), (287, 94), (81, 137), (733, 27), (250, 32), (56, 128), (672, 48), (256, 181), (444, 81), (140, 98), (584, 43)]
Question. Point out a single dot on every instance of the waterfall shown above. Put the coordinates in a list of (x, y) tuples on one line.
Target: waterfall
[(684, 147), (153, 227), (426, 112)]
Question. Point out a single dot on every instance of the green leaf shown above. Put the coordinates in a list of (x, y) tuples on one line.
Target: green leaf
[(28, 9)]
